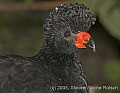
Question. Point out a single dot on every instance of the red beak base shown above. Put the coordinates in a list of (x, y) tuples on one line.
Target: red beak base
[(82, 39)]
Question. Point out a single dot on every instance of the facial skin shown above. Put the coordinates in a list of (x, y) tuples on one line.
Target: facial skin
[(80, 40)]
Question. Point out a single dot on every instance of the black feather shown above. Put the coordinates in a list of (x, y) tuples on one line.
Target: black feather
[(56, 63)]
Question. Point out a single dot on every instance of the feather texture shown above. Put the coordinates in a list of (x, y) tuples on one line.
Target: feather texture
[(55, 68)]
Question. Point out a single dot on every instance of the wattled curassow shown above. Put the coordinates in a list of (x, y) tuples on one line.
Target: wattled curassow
[(55, 68)]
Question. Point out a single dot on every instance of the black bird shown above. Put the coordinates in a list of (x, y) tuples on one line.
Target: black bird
[(55, 68)]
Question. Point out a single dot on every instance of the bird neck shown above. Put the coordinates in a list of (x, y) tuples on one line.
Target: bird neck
[(64, 66), (53, 58)]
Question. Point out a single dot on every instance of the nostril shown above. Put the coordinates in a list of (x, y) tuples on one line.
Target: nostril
[(86, 41)]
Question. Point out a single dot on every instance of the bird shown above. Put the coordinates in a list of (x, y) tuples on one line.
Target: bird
[(55, 68)]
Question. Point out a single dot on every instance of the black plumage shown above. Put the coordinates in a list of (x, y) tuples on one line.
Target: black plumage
[(55, 68)]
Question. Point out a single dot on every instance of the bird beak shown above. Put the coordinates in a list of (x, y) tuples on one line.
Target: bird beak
[(91, 44), (84, 40)]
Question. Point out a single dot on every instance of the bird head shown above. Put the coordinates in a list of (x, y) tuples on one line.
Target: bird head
[(66, 28)]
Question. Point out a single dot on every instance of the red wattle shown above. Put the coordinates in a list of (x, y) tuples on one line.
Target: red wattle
[(80, 40)]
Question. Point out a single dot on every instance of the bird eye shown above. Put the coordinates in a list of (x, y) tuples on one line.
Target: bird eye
[(67, 33)]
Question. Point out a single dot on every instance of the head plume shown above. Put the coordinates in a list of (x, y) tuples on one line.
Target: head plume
[(76, 16)]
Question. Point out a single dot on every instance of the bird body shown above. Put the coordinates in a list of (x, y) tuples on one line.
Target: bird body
[(31, 75), (56, 67)]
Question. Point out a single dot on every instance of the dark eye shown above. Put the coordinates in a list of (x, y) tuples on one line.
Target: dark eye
[(67, 33)]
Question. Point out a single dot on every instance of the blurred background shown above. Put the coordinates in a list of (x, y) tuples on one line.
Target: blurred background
[(21, 30)]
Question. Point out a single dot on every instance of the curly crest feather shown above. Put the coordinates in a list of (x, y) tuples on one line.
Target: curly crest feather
[(76, 16)]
